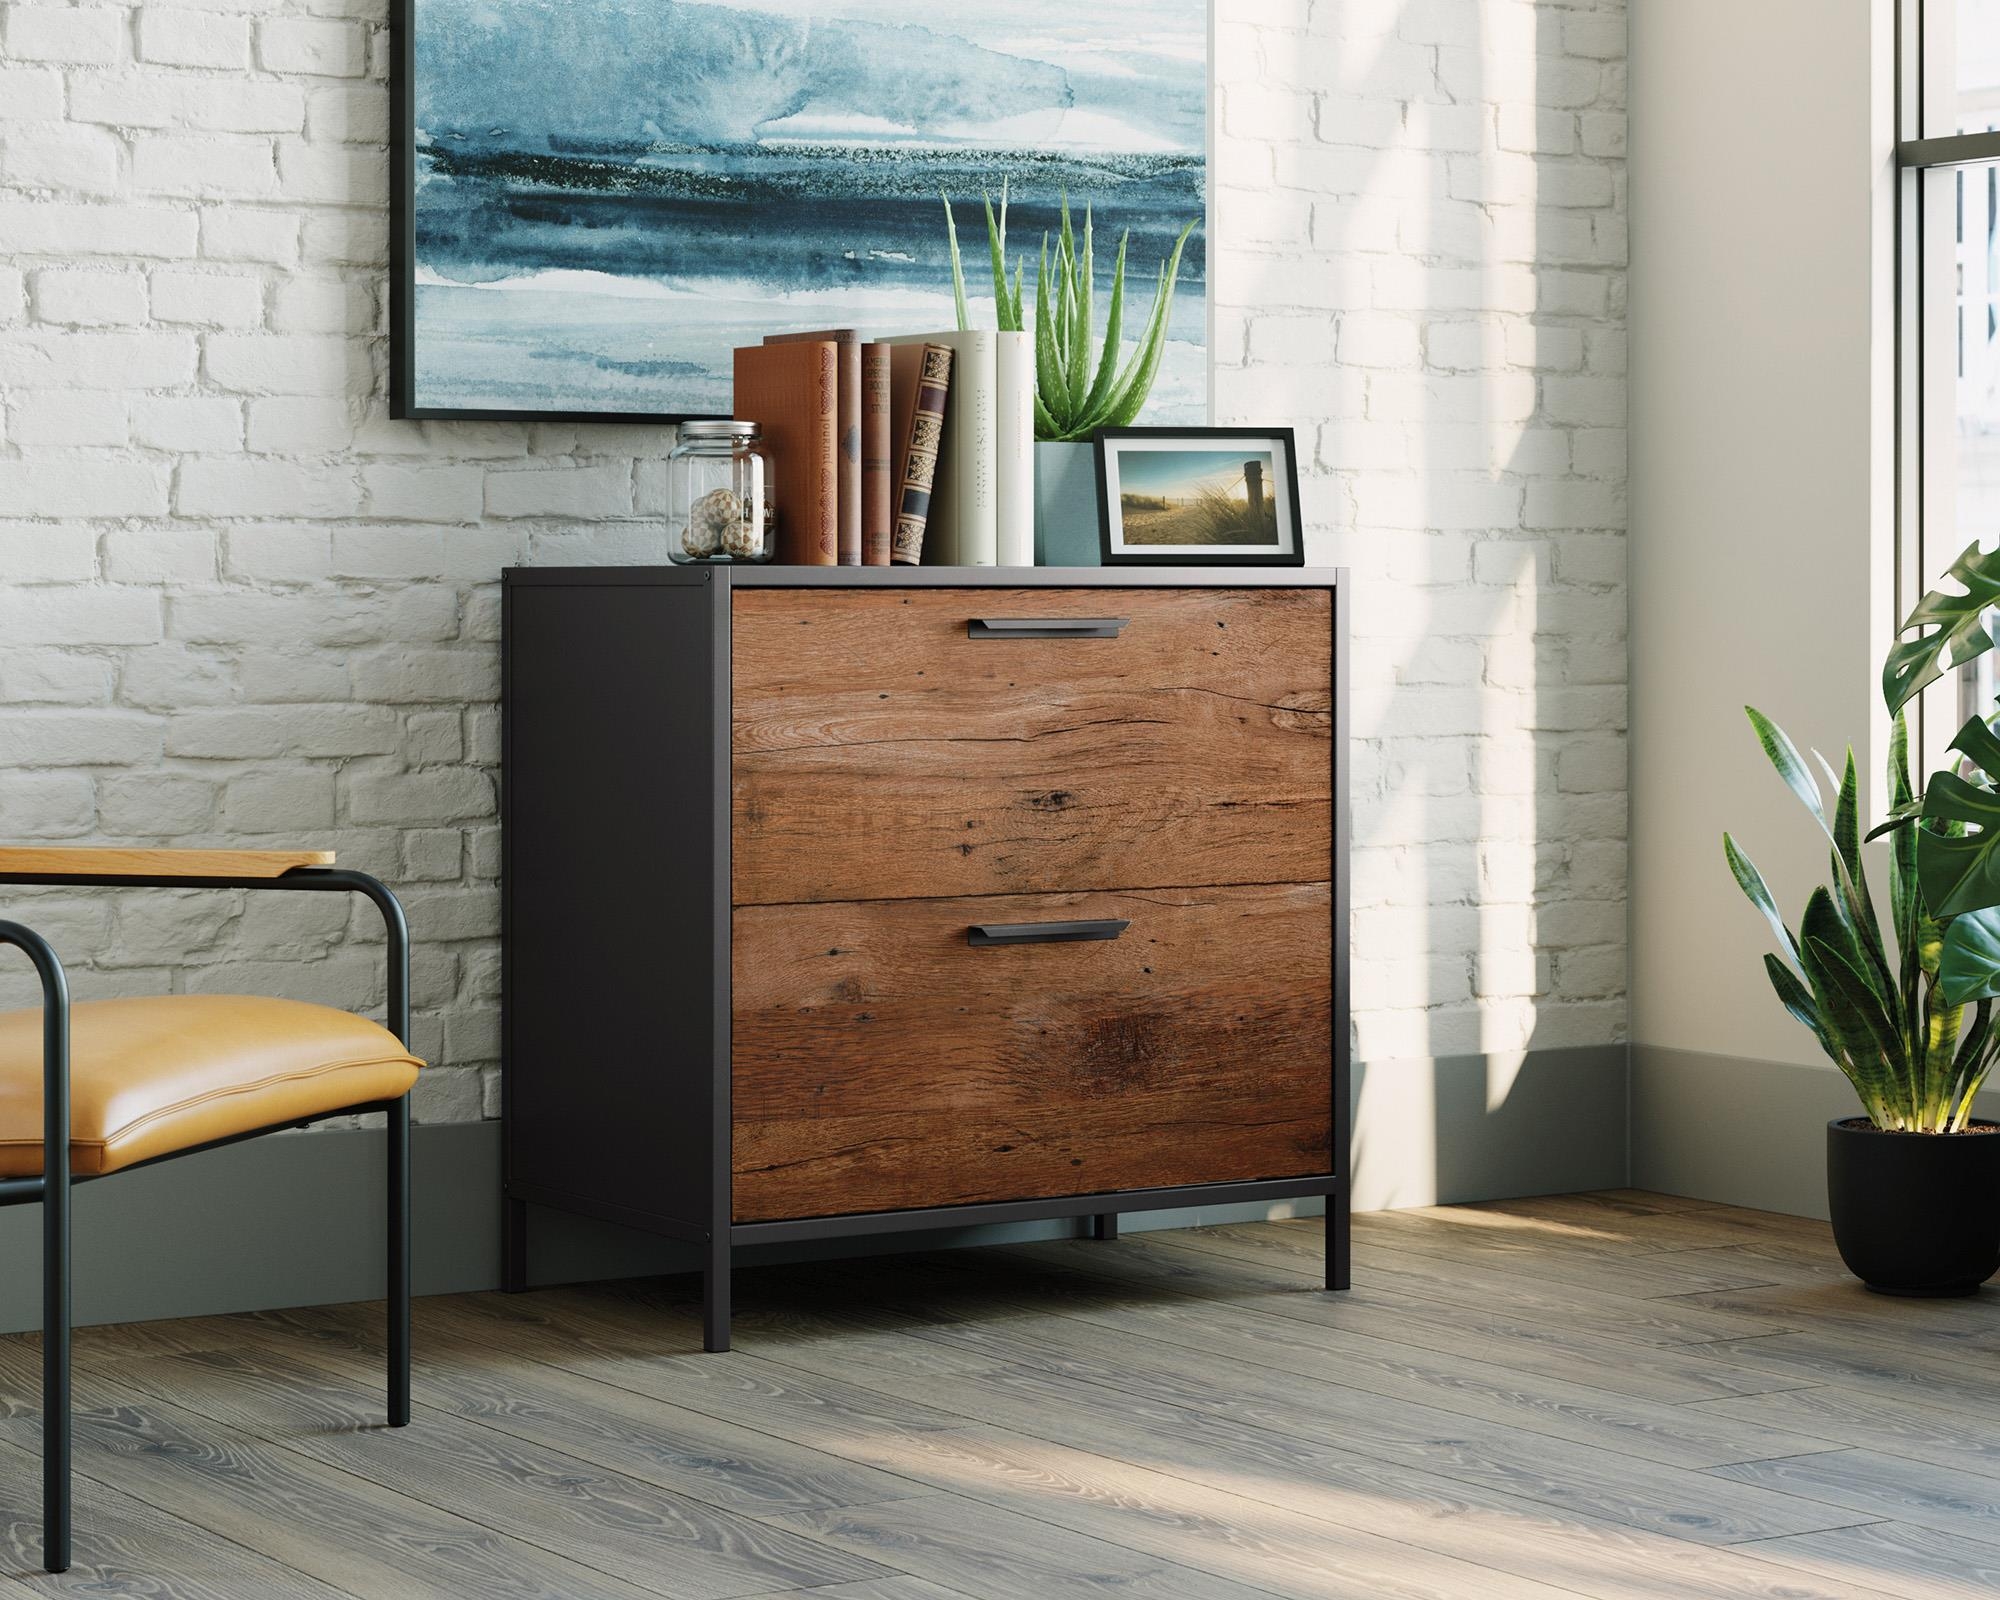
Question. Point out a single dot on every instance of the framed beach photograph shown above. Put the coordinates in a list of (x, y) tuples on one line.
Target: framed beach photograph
[(1198, 496), (596, 201)]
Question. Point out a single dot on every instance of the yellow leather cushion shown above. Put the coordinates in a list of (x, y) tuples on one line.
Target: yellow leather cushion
[(152, 1076)]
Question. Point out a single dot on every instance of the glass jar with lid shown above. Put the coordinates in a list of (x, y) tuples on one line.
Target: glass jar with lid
[(719, 480)]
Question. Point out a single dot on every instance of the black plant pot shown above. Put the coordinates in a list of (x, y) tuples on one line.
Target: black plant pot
[(1915, 1213)]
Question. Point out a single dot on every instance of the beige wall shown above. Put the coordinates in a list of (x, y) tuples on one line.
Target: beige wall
[(1761, 473)]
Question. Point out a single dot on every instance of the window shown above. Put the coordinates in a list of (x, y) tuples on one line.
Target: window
[(1949, 246)]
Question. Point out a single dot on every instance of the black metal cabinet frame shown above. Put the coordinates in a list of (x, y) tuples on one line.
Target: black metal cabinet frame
[(616, 910)]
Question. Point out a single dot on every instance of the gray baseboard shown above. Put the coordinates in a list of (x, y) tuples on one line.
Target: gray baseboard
[(1453, 1129), (1739, 1131), (297, 1219)]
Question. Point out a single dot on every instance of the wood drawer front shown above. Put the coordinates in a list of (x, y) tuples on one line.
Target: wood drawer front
[(878, 752), (882, 1063)]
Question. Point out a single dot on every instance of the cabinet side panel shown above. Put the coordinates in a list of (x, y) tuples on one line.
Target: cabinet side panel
[(609, 815)]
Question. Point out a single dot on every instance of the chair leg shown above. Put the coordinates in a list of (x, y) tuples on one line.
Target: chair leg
[(399, 1263), (55, 1369)]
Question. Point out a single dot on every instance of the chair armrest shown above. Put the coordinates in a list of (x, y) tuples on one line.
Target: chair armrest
[(55, 1071), (115, 862), (110, 867)]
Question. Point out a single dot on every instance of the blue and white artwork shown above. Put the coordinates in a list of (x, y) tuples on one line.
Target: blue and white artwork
[(611, 195)]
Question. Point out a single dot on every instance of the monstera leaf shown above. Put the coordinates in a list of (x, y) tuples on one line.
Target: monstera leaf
[(1959, 870), (1960, 620), (1969, 969)]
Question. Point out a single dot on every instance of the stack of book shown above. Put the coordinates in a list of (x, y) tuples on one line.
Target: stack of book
[(914, 448)]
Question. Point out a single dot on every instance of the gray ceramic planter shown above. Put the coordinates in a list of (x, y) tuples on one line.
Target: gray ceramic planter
[(1066, 505)]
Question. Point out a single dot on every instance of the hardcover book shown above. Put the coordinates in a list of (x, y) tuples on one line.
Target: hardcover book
[(920, 377), (792, 390), (847, 424), (878, 458), (964, 514), (1014, 449)]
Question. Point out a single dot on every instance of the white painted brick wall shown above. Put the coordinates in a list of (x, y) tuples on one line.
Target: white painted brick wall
[(239, 605), (1420, 263)]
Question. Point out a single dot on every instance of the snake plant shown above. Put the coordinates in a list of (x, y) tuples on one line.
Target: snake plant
[(1079, 386), (1908, 1017)]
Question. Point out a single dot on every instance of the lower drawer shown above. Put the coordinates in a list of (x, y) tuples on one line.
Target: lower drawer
[(883, 1061)]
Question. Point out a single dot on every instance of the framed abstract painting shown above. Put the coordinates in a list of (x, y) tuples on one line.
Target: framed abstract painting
[(596, 201)]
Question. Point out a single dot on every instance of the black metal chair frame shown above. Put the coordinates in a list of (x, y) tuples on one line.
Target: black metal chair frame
[(53, 1187)]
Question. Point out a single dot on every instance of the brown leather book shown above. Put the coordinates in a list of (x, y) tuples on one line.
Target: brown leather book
[(919, 385), (878, 458), (792, 390), (848, 426)]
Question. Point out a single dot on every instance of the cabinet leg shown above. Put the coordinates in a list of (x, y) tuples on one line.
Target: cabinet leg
[(1104, 1225), (513, 1245), (1337, 1239), (715, 1299)]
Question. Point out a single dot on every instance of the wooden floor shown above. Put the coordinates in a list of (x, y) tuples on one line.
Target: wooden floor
[(1613, 1395)]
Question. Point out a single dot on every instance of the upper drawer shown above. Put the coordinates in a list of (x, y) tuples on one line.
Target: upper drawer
[(882, 751)]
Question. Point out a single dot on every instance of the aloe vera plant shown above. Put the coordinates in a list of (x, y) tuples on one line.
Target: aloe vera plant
[(1079, 385), (1907, 1017)]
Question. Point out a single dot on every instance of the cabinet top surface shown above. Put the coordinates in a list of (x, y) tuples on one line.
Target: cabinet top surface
[(782, 577)]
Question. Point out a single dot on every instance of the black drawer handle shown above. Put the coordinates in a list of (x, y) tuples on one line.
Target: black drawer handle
[(1045, 627), (983, 933)]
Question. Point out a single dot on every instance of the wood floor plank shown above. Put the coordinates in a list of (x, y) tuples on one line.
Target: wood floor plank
[(1062, 1270), (1915, 1563), (1638, 1229), (602, 1344), (527, 1388), (1475, 1331), (1649, 1200), (567, 1507), (122, 1546), (1182, 1390), (355, 1537), (609, 1347), (1783, 1261), (1259, 1350), (1969, 1325), (1939, 1434), (1241, 1537), (1224, 1533), (1614, 1396), (1541, 1542), (1560, 1252), (1761, 1224), (1871, 1485), (768, 1313), (1285, 1247), (874, 1589), (1597, 1268), (968, 1545), (101, 1344), (1909, 1372), (1647, 1494), (1509, 1396), (598, 1331)]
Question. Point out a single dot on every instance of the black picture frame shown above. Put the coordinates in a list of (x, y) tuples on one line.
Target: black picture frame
[(403, 405), (1105, 442)]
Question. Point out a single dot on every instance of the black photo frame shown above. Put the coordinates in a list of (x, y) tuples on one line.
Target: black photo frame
[(1115, 549)]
